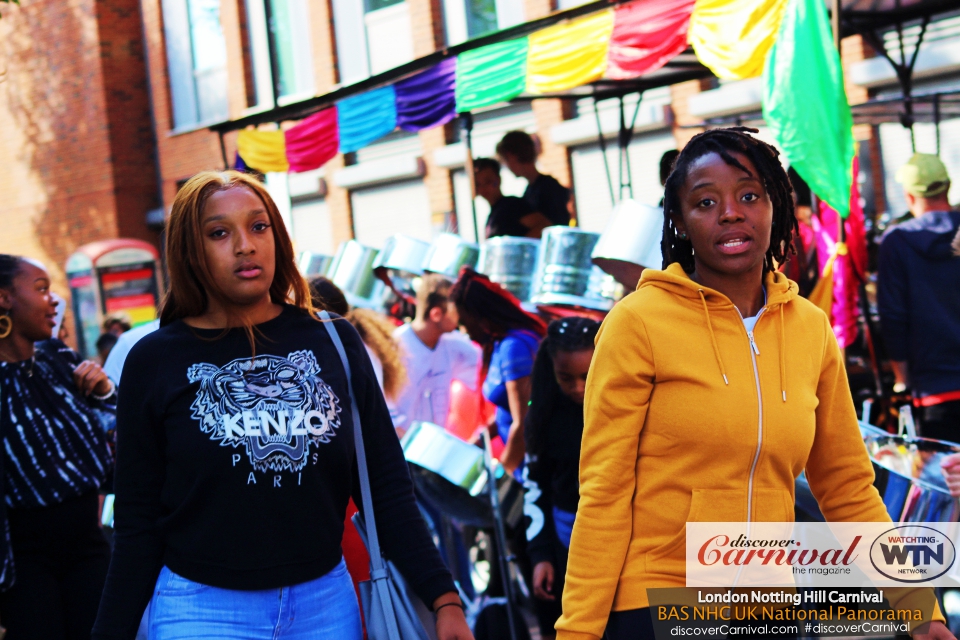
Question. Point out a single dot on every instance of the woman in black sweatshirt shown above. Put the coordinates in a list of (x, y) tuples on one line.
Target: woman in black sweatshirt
[(235, 453), (552, 430)]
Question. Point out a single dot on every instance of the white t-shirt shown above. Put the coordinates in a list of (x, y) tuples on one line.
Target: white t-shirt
[(430, 372), (113, 367)]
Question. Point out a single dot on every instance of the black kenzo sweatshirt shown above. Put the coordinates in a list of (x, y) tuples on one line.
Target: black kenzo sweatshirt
[(235, 471)]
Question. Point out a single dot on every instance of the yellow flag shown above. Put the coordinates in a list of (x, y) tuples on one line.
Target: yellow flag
[(569, 54), (264, 151), (732, 37)]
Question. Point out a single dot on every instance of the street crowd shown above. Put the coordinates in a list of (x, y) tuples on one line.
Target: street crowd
[(225, 428)]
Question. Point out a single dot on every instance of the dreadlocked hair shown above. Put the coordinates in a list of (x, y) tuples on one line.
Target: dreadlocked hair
[(766, 159), (475, 294), (563, 336)]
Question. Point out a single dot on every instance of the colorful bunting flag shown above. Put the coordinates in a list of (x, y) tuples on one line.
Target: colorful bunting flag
[(569, 54), (491, 74), (313, 142), (263, 150), (646, 35), (427, 99), (732, 37), (366, 117)]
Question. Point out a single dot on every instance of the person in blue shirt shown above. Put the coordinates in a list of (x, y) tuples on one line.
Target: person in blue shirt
[(510, 337)]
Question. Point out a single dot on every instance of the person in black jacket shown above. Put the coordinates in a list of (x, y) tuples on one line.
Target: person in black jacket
[(919, 298), (553, 429), (235, 448), (54, 458)]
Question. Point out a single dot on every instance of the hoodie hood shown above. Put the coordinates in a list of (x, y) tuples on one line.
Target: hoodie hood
[(932, 234), (674, 279)]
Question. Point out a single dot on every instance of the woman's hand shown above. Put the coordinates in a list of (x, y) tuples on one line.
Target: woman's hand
[(90, 378), (933, 631), (451, 623), (543, 581)]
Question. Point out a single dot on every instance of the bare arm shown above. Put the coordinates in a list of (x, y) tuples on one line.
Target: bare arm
[(518, 394), (535, 223)]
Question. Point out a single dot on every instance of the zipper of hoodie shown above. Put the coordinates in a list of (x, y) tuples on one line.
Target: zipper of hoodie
[(754, 352)]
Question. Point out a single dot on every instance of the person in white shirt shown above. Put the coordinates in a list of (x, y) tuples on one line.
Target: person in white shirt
[(435, 354), (113, 366)]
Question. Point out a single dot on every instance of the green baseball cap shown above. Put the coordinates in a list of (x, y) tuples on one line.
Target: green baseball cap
[(924, 175)]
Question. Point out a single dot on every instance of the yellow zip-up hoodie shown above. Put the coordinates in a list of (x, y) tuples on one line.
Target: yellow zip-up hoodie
[(688, 418)]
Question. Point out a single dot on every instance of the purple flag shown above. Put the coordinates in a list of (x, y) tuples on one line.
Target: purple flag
[(427, 99)]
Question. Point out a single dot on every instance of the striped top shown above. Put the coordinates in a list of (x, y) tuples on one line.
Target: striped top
[(54, 445)]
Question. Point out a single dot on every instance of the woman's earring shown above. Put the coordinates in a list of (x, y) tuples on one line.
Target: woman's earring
[(6, 326), (683, 236)]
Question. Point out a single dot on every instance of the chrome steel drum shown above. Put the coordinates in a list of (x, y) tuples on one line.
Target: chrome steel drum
[(449, 474), (352, 271), (403, 254), (565, 272), (511, 263), (909, 478), (631, 242), (312, 265), (448, 253), (400, 261)]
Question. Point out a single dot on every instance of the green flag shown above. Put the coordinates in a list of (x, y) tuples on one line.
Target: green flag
[(491, 74), (805, 104)]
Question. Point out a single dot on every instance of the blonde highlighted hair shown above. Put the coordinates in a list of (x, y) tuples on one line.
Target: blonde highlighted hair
[(192, 285), (377, 333)]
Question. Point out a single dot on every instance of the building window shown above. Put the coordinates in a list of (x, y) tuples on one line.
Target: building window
[(279, 40), (196, 61), (374, 5), (373, 36), (466, 19)]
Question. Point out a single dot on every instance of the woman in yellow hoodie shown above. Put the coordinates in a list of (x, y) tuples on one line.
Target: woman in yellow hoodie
[(713, 386)]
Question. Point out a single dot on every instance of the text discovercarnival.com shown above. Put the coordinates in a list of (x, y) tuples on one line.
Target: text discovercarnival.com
[(798, 580)]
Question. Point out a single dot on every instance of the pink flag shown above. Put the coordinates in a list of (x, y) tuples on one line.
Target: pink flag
[(849, 267), (646, 35), (313, 142)]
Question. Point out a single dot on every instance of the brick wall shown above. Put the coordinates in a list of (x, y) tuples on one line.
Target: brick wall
[(679, 95), (182, 154), (76, 139)]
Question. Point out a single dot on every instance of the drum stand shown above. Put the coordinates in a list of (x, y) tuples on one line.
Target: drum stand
[(504, 558)]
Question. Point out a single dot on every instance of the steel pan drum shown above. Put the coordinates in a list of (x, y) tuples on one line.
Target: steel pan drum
[(631, 242), (402, 254), (449, 474), (450, 252), (352, 271), (909, 478), (565, 274), (511, 263), (312, 265)]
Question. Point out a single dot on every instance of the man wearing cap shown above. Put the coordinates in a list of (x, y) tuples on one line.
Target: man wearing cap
[(918, 294)]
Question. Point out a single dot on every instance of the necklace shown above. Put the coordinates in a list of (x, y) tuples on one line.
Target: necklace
[(33, 359)]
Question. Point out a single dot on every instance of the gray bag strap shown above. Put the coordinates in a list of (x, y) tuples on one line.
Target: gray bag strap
[(378, 568)]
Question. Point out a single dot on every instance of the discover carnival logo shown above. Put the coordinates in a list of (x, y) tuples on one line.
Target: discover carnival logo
[(912, 553), (821, 554)]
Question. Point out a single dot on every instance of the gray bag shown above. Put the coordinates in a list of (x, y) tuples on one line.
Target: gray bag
[(390, 609)]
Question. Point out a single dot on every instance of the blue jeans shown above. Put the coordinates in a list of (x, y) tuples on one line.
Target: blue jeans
[(322, 609)]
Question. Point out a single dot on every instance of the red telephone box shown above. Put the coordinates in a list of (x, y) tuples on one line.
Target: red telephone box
[(112, 276)]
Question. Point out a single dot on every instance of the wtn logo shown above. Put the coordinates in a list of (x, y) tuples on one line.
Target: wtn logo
[(922, 554), (912, 553)]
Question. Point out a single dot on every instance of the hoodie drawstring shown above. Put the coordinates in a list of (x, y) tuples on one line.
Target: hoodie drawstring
[(783, 359), (713, 337)]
